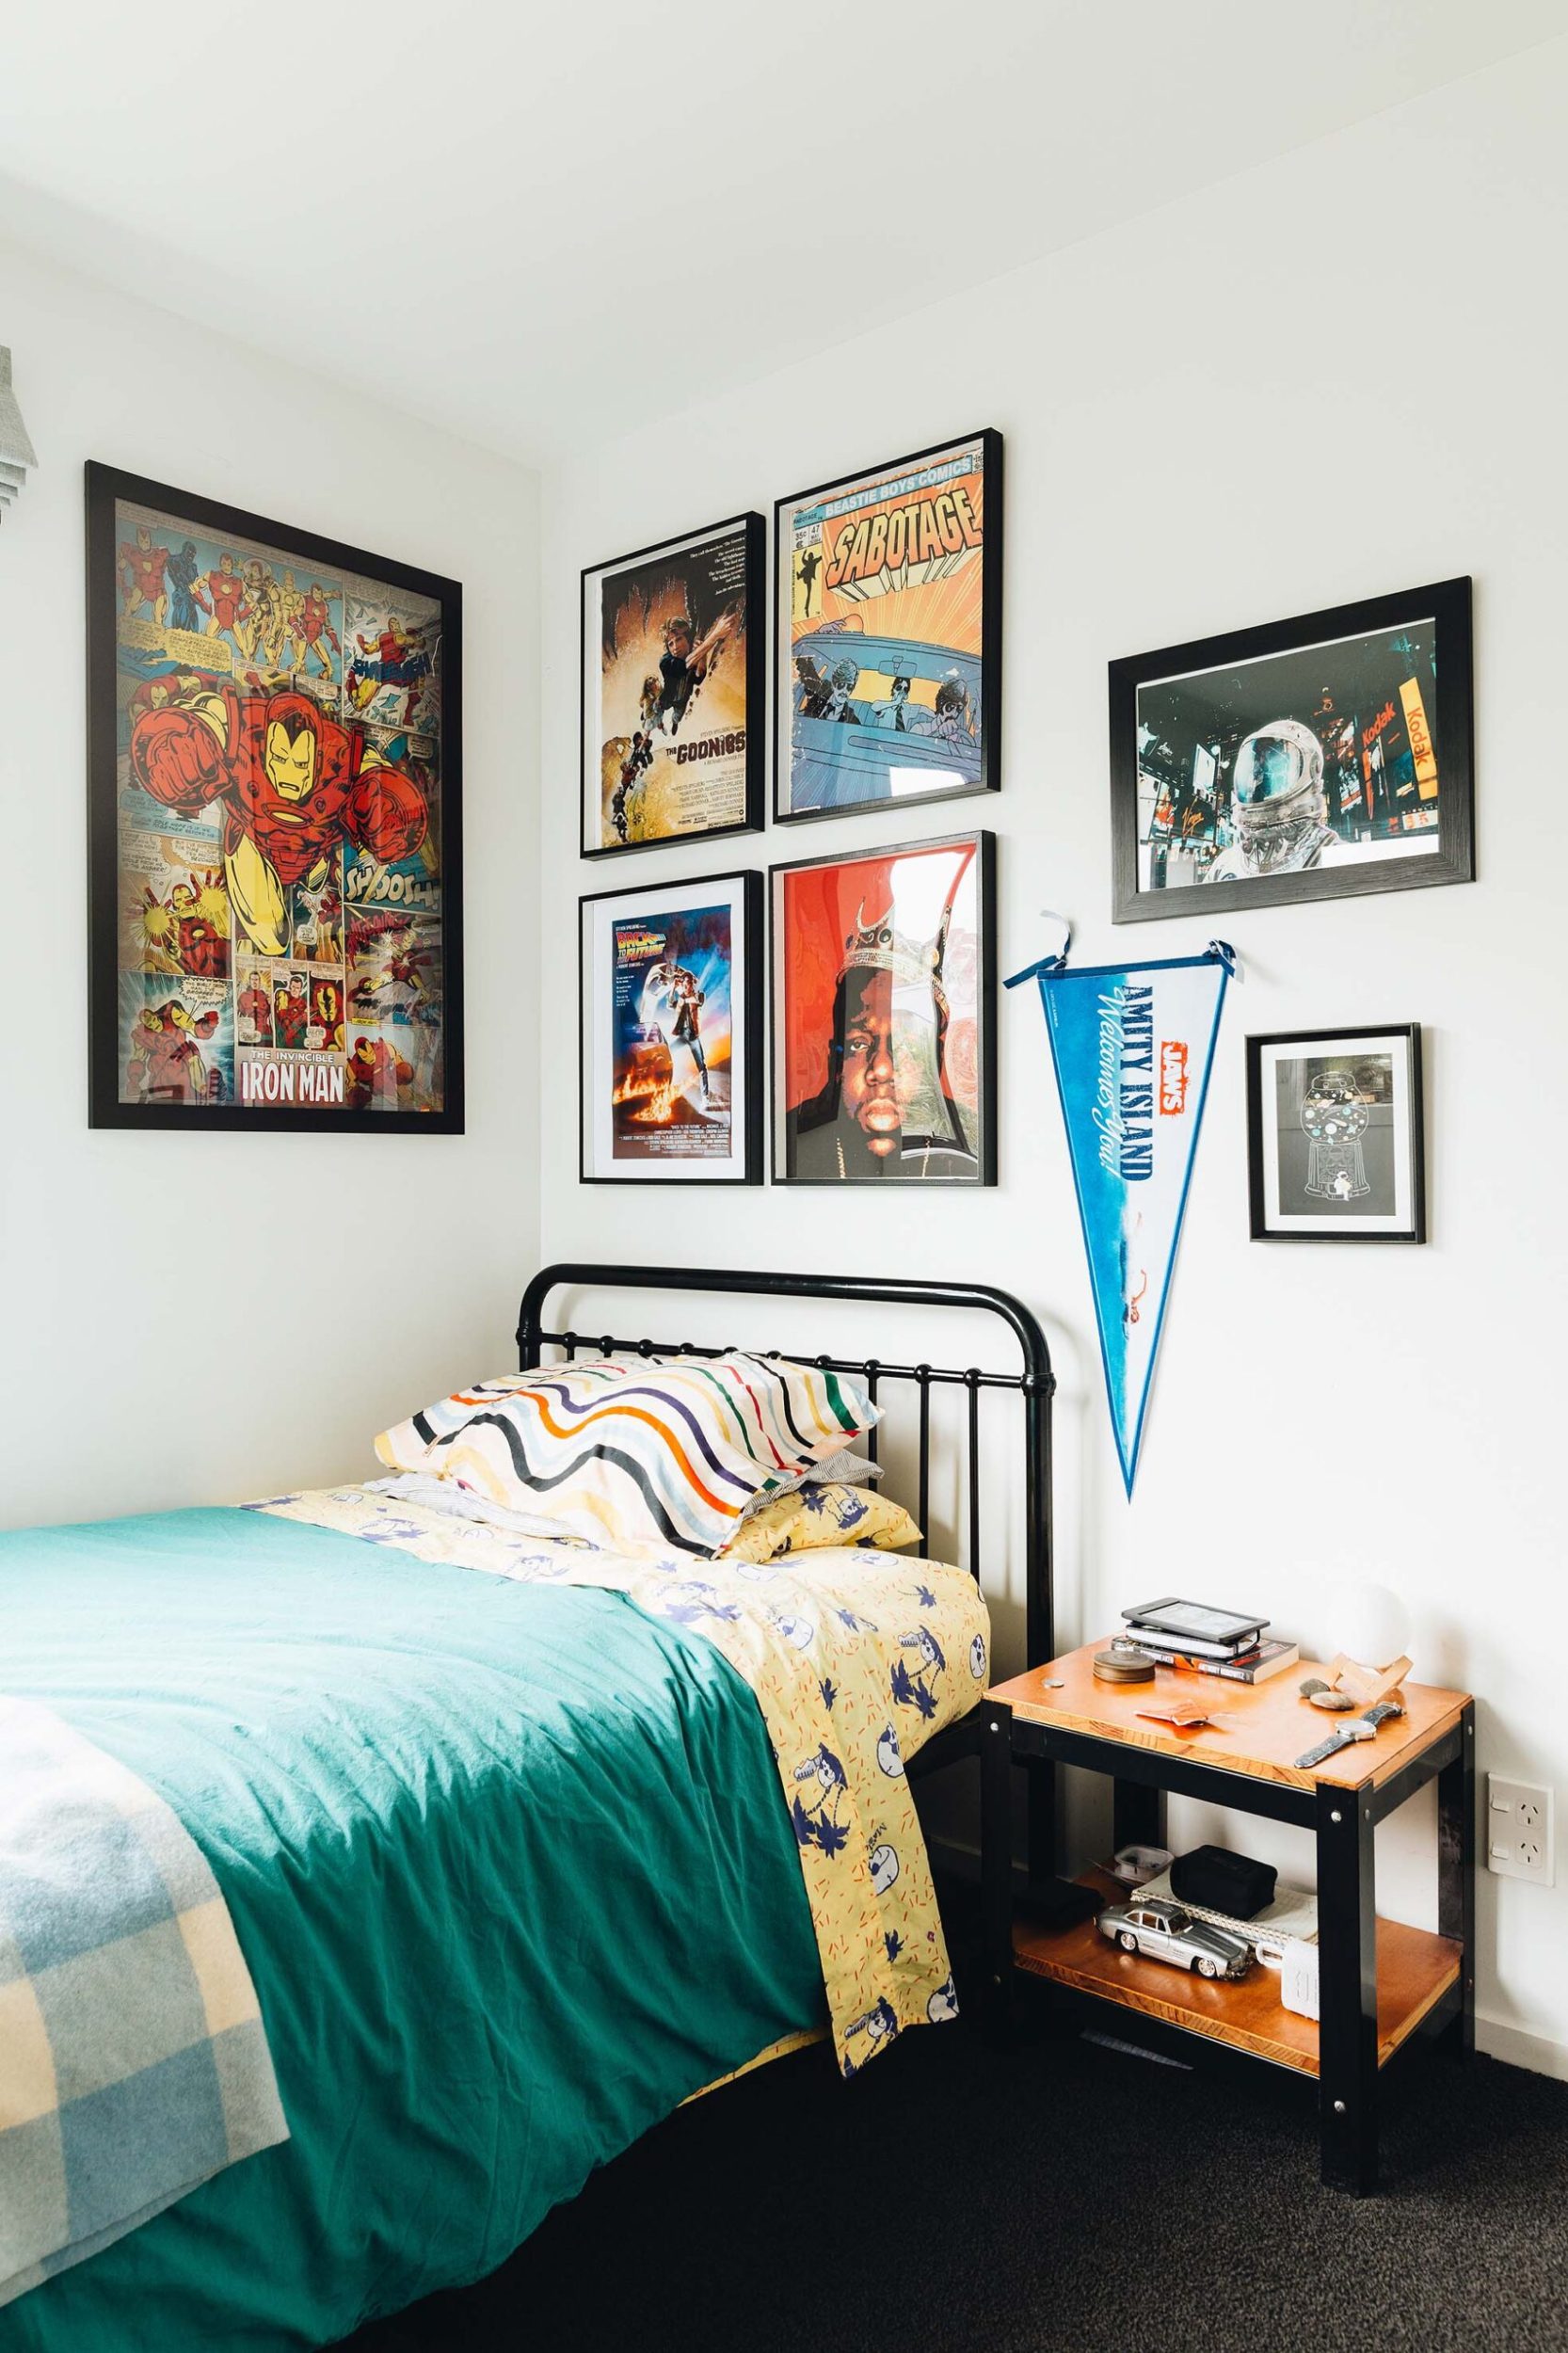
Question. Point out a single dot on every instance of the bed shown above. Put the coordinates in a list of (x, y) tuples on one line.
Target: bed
[(505, 1856)]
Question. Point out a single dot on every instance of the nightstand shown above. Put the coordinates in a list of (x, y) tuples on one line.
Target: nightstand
[(1382, 1986)]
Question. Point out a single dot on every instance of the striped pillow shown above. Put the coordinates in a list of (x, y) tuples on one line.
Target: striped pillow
[(632, 1456)]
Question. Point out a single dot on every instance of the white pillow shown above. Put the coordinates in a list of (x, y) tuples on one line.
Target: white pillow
[(847, 1469)]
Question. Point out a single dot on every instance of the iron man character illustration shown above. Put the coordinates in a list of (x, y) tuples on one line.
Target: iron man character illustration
[(165, 1062), (291, 781)]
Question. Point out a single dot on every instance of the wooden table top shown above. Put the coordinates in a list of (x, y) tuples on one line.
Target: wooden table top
[(1264, 1727)]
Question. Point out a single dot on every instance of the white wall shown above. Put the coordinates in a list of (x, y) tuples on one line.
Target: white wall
[(157, 1346), (1333, 376)]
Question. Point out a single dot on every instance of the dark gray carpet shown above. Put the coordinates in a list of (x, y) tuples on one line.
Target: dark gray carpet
[(1057, 2198)]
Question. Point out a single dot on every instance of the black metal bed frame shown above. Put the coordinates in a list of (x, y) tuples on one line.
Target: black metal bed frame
[(1035, 1384)]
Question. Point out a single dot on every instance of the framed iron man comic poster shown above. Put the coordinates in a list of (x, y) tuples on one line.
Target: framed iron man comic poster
[(274, 765)]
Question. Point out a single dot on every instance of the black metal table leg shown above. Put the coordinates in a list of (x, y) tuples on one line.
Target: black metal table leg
[(1039, 1821), (1347, 1992), (1137, 1813), (1456, 1880), (996, 1864)]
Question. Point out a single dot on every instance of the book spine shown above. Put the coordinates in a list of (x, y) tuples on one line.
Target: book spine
[(1154, 1638), (1229, 1671)]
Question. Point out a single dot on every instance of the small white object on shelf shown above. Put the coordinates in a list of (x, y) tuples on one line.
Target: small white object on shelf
[(1134, 1866), (1298, 1977)]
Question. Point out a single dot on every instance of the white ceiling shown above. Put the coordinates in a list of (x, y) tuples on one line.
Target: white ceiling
[(540, 226)]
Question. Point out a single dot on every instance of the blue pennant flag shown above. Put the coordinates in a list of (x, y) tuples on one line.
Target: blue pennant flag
[(1132, 1046)]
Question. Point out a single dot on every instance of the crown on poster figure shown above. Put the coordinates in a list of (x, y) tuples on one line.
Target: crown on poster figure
[(876, 947), (16, 450)]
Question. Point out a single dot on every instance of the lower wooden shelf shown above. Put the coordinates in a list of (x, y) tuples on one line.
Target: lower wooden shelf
[(1415, 1971)]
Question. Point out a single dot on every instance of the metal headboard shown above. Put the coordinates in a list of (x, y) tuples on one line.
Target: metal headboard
[(1036, 1383)]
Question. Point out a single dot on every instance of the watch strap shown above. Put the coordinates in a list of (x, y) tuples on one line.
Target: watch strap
[(1331, 1747)]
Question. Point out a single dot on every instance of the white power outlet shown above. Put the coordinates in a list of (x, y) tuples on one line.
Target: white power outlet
[(1519, 1830)]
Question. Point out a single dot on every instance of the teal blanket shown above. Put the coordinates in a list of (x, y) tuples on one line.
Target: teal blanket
[(509, 1866)]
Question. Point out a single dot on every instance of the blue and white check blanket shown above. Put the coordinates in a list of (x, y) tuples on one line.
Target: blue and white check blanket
[(134, 2063)]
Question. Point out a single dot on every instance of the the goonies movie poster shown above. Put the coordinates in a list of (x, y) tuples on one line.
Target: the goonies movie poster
[(670, 674)]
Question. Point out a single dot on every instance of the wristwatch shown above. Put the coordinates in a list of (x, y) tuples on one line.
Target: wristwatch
[(1345, 1736)]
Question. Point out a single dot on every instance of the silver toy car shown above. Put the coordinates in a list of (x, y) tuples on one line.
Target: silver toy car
[(1162, 1930)]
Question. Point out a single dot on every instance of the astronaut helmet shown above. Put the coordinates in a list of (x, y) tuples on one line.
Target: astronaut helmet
[(1278, 778)]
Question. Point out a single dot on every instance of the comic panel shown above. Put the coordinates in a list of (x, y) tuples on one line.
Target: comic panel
[(391, 655), (230, 608), (176, 1040), (174, 913), (314, 913), (669, 718), (396, 1065), (396, 861), (394, 1008), (254, 1025), (290, 1035)]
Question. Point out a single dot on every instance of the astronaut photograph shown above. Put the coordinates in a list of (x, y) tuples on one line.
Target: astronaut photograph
[(273, 764), (1307, 759), (673, 650), (1335, 1136), (883, 1006)]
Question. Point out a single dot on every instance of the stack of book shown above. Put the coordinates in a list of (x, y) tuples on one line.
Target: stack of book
[(1211, 1642)]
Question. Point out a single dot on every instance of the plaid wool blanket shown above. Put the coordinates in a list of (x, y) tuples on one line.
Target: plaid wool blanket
[(134, 2063)]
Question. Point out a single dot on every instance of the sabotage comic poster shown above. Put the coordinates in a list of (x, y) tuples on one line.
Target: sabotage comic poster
[(890, 632), (883, 1007), (670, 1014), (672, 662), (274, 765)]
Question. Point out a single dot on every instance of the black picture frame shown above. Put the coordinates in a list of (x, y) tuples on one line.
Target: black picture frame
[(1407, 1107), (744, 885), (988, 778), (751, 529), (1444, 604), (985, 846), (106, 488)]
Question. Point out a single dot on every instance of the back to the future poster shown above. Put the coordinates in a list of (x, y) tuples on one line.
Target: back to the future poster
[(671, 1015)]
